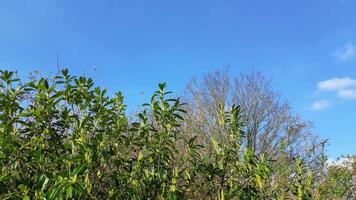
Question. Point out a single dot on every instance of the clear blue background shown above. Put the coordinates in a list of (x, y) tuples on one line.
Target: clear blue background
[(133, 45)]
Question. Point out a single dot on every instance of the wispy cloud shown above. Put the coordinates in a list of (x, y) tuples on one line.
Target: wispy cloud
[(320, 105), (343, 88), (347, 94), (336, 84), (346, 53)]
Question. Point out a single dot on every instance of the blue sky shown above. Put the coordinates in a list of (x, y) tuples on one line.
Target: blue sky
[(307, 47)]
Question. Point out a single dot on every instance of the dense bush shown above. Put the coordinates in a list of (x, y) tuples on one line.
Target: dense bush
[(64, 138)]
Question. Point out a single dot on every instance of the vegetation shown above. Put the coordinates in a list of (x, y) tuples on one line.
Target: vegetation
[(269, 121), (64, 138)]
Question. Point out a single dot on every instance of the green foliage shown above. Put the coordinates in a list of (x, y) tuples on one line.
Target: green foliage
[(340, 180), (67, 139)]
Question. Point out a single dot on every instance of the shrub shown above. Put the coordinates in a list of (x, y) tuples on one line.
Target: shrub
[(64, 138)]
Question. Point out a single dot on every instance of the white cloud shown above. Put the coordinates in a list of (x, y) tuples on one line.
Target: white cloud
[(337, 84), (320, 105), (343, 161), (343, 88), (345, 54), (347, 94)]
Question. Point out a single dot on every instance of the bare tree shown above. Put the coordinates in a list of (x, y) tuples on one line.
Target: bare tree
[(270, 123)]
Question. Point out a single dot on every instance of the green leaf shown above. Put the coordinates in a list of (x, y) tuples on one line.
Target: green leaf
[(161, 86), (69, 192), (26, 198), (43, 84)]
